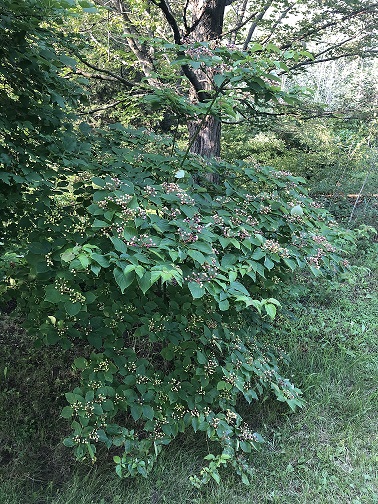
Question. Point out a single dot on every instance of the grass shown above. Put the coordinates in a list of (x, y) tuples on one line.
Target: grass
[(325, 453)]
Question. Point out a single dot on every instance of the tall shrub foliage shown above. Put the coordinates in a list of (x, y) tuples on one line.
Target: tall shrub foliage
[(160, 280)]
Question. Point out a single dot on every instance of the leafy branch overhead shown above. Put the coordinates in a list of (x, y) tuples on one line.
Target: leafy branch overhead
[(154, 46)]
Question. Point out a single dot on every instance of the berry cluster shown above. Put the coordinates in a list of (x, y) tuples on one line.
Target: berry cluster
[(183, 196), (143, 241)]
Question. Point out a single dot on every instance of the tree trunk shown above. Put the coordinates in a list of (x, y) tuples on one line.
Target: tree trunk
[(207, 23), (205, 136)]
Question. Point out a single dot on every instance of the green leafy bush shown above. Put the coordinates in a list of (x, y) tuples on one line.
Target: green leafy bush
[(163, 286)]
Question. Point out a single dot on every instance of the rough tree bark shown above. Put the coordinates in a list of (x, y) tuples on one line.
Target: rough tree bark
[(207, 23)]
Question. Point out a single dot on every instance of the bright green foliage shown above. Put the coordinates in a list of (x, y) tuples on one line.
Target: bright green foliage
[(161, 284)]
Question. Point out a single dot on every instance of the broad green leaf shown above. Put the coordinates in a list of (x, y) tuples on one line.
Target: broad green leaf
[(268, 263), (100, 224), (197, 256), (119, 245), (201, 357), (136, 411), (52, 294), (68, 256), (258, 253), (147, 412), (124, 280), (67, 412), (72, 308), (145, 282), (80, 363), (196, 290), (107, 405), (270, 310), (224, 305), (289, 262)]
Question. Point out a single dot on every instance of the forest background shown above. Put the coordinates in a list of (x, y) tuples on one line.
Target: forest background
[(157, 230)]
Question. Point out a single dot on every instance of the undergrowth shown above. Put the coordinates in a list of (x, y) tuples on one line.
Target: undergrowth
[(326, 453)]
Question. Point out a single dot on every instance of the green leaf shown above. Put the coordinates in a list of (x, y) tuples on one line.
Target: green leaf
[(71, 397), (258, 253), (124, 280), (245, 479), (52, 294), (201, 357), (215, 476), (219, 79), (67, 61), (72, 308), (107, 405), (147, 412), (80, 363), (224, 241), (268, 263), (97, 409), (197, 256), (289, 262), (245, 446), (297, 211), (206, 248), (67, 412), (224, 305), (99, 224), (167, 353), (100, 259), (196, 290), (145, 282), (40, 248), (69, 443), (270, 310), (250, 395), (119, 245), (136, 411), (223, 385), (95, 339), (68, 256)]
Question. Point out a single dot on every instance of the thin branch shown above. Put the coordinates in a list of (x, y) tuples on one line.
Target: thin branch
[(240, 25), (170, 19), (185, 21), (104, 71), (196, 23), (324, 60), (318, 29), (78, 71), (189, 74), (255, 23), (105, 107), (282, 16)]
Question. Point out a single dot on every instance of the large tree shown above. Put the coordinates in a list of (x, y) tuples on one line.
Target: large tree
[(328, 29)]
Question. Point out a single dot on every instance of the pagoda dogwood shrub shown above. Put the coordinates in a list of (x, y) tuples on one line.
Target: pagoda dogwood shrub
[(160, 280)]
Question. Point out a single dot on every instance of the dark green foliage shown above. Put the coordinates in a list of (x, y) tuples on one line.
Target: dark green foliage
[(162, 284), (159, 280), (36, 131)]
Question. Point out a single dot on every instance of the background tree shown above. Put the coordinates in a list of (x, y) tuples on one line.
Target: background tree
[(330, 30)]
